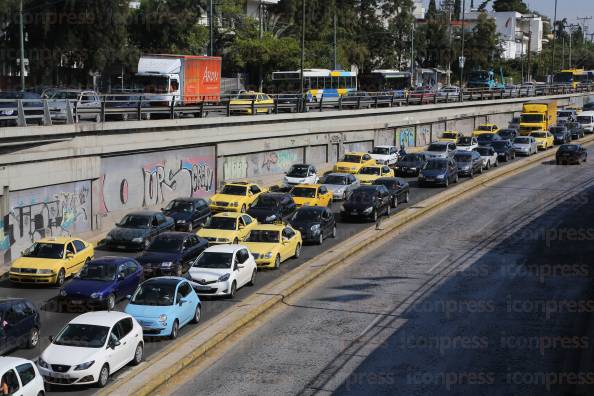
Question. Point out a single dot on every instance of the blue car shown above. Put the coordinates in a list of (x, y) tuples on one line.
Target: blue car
[(163, 305), (102, 283)]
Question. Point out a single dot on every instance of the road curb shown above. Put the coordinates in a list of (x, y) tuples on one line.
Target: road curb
[(144, 379)]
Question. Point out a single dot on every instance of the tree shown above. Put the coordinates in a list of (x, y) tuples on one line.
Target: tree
[(457, 8), (510, 5), (431, 10), (483, 44)]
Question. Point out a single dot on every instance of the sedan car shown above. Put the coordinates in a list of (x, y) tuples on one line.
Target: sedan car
[(504, 149), (410, 165), (398, 188), (222, 270), (485, 139), (136, 230), (353, 162), (301, 174), (544, 139), (485, 128), (242, 103), (525, 145), (51, 260), (467, 143), (227, 228), (171, 253), (90, 348), (314, 223), (439, 171), (20, 325), (469, 163), (508, 133), (368, 174), (102, 283), (440, 150), (273, 207), (164, 305), (561, 134), (576, 130), (272, 244), (571, 154), (311, 195), (235, 197), (187, 213), (368, 203), (450, 137), (489, 156), (20, 377), (341, 185)]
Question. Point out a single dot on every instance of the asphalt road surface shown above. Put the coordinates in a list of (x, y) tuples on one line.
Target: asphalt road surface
[(492, 296)]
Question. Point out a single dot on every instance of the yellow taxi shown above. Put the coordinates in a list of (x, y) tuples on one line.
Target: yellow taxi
[(485, 128), (263, 103), (51, 260), (235, 197), (353, 162), (311, 195), (271, 244), (544, 139), (368, 174), (450, 137), (227, 227)]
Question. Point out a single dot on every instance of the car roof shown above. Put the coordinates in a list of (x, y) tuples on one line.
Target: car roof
[(174, 235), (337, 174), (165, 280), (115, 260), (224, 248), (239, 184), (100, 318), (312, 186), (275, 195), (307, 208), (10, 361), (188, 199), (367, 188), (143, 213), (230, 215), (270, 227), (386, 179), (355, 153), (57, 239), (373, 166), (442, 143)]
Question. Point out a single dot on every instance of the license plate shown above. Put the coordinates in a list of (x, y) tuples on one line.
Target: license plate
[(76, 301), (198, 287), (121, 247), (429, 179), (59, 375)]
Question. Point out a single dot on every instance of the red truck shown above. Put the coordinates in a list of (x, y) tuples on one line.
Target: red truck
[(185, 79)]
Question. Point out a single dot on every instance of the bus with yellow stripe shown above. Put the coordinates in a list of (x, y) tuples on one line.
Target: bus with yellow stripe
[(571, 77), (317, 83)]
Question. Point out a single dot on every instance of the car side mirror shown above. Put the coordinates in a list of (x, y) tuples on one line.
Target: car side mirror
[(120, 276), (129, 297), (51, 338), (112, 344), (69, 255), (285, 240), (182, 301), (241, 226)]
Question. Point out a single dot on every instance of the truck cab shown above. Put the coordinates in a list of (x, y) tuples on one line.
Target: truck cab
[(538, 116)]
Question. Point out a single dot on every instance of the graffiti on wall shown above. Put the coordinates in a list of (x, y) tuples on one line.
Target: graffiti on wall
[(235, 167), (357, 146), (423, 135), (146, 180), (272, 162), (405, 137)]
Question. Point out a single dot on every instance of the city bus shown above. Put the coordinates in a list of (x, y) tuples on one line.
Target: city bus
[(385, 80), (331, 84), (572, 77)]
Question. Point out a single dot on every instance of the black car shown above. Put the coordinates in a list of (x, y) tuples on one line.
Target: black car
[(504, 149), (20, 324), (485, 139), (32, 107), (272, 207), (410, 165), (315, 223), (171, 253), (367, 202), (439, 171), (514, 123), (136, 230), (571, 154), (469, 163), (576, 130), (588, 107), (398, 188), (508, 133), (561, 134), (188, 213)]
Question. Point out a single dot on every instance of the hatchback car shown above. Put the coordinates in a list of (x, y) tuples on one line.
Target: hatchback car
[(439, 171), (489, 156), (20, 377), (171, 253), (341, 185), (301, 174), (272, 207), (187, 213), (164, 305), (20, 324), (440, 150), (314, 223), (410, 165), (136, 230), (525, 145), (467, 143), (398, 188), (561, 134), (368, 203), (469, 163), (504, 149), (571, 154)]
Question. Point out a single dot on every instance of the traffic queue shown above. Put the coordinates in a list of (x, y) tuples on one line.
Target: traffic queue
[(197, 247)]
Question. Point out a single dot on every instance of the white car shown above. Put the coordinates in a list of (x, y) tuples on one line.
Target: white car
[(525, 145), (586, 120), (222, 270), (21, 377), (87, 103), (467, 143), (301, 174), (90, 348), (489, 156), (385, 155)]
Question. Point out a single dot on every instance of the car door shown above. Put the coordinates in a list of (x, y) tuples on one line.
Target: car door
[(164, 225), (325, 196), (27, 375), (327, 222), (15, 324), (133, 278), (70, 259), (186, 308), (288, 208), (116, 352), (125, 351), (287, 248), (243, 273), (243, 229), (201, 212), (9, 377), (81, 254)]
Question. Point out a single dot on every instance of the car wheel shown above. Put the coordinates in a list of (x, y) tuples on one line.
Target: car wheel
[(388, 210), (277, 262), (375, 215), (33, 339), (243, 209), (61, 277), (481, 171), (252, 281), (472, 174), (174, 330), (394, 202), (496, 164), (334, 230), (406, 197), (233, 290), (138, 353), (320, 239), (298, 248), (197, 314), (103, 376), (178, 270), (146, 243), (110, 302), (447, 182)]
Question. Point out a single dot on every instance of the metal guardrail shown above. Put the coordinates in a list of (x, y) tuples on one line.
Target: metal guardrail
[(24, 112)]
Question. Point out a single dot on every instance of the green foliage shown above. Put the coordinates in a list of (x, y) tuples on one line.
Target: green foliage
[(511, 5)]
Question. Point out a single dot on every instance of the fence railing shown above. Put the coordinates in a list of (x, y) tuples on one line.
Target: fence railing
[(24, 112)]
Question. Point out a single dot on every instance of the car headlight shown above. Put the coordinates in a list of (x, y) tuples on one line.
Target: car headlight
[(181, 222), (44, 271), (342, 208), (63, 293), (234, 204), (12, 269), (163, 319), (315, 227), (42, 363), (109, 237), (96, 295), (413, 169), (368, 210), (138, 240), (353, 168), (271, 218), (166, 264), (224, 278), (223, 240), (84, 366), (440, 176), (268, 255)]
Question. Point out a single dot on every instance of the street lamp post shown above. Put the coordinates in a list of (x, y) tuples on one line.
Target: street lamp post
[(302, 45), (22, 45), (462, 60)]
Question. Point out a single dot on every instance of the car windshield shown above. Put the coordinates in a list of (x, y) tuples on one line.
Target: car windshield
[(221, 223), (336, 180), (352, 158), (484, 151), (557, 130), (218, 260), (531, 118), (303, 192), (584, 119), (65, 95), (369, 170), (98, 272), (266, 236), (449, 135), (437, 147), (499, 144), (465, 141), (484, 128), (522, 140), (154, 293), (45, 250), (230, 189), (564, 114), (298, 171), (410, 158), (381, 150), (264, 202), (538, 135), (462, 158), (485, 137), (166, 244), (179, 206), (82, 335), (390, 184), (306, 214), (436, 165), (135, 221), (506, 133), (362, 197), (568, 147)]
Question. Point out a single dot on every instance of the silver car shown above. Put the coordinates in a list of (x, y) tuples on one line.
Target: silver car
[(87, 103), (525, 145), (440, 150), (340, 184)]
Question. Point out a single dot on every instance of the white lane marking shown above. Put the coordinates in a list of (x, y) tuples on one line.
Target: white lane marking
[(438, 263)]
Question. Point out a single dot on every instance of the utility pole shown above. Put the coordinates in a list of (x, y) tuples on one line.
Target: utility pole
[(210, 28), (570, 40), (335, 44), (529, 73), (462, 51), (563, 55), (260, 72), (412, 54), (302, 45), (583, 20), (449, 44), (22, 40), (554, 39)]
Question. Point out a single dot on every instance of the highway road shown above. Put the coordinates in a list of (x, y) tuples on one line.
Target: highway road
[(491, 296), (52, 321)]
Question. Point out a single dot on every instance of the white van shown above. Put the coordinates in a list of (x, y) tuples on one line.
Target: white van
[(586, 119)]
